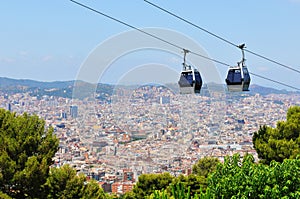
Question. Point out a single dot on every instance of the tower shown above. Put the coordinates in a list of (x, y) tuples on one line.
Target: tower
[(8, 107), (74, 111)]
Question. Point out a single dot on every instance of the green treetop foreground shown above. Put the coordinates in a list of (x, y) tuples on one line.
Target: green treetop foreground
[(26, 152), (282, 142), (243, 178)]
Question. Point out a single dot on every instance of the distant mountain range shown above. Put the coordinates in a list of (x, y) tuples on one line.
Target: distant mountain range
[(9, 83), (65, 88), (55, 88), (267, 90)]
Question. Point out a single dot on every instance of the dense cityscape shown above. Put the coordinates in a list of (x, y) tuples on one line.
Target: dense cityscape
[(149, 100), (150, 129)]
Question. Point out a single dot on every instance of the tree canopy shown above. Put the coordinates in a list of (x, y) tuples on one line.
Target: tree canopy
[(193, 182), (148, 183), (242, 178), (26, 152), (205, 165), (282, 142), (64, 183)]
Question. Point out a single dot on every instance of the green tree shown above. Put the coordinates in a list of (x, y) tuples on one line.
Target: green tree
[(192, 182), (198, 179), (26, 152), (282, 142), (93, 190), (4, 196), (64, 183), (242, 178), (205, 166), (148, 183), (180, 192)]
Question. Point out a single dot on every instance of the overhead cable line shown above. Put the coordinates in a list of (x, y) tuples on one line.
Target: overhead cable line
[(147, 33), (271, 80), (219, 37), (170, 43)]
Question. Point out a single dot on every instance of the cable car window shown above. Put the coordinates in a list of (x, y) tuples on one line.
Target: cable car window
[(197, 76), (186, 79), (234, 77)]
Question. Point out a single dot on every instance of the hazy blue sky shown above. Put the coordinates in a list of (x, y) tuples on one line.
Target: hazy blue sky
[(49, 40)]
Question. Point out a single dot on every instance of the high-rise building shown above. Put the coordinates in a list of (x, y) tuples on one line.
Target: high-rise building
[(63, 115), (74, 111), (8, 107), (164, 100)]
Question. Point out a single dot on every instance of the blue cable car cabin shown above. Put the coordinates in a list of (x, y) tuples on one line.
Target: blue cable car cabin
[(186, 79), (238, 78), (198, 81), (234, 76), (190, 81)]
